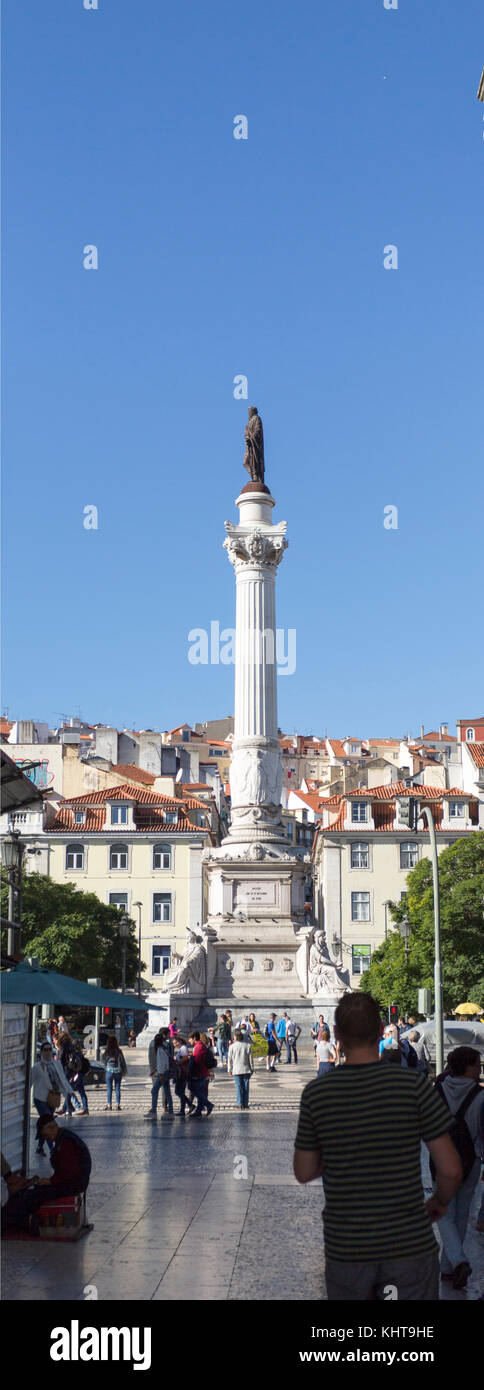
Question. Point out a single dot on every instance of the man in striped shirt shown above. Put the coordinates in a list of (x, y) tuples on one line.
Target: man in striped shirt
[(360, 1128)]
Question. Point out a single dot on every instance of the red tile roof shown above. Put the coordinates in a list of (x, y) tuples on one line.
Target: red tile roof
[(379, 742), (438, 737), (337, 746), (477, 751), (5, 727), (137, 773), (393, 789)]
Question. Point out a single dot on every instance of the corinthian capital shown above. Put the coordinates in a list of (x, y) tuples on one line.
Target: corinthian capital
[(256, 546)]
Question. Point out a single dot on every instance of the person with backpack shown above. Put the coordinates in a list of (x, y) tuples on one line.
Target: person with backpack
[(273, 1049), (181, 1075), (115, 1070), (224, 1038), (76, 1067), (465, 1099)]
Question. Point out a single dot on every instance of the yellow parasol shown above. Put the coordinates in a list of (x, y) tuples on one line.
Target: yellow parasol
[(468, 1009)]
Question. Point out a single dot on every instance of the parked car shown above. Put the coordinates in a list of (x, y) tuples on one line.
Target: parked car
[(457, 1033)]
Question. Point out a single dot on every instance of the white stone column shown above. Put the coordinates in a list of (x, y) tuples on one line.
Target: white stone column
[(255, 547)]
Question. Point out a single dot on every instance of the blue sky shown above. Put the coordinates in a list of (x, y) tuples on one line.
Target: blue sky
[(261, 257)]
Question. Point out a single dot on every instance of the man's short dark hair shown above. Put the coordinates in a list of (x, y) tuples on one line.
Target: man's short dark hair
[(273, 1015), (238, 1035), (42, 1121), (358, 1020), (195, 1035), (461, 1058)]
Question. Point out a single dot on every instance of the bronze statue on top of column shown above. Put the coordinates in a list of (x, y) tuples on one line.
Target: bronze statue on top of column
[(254, 440)]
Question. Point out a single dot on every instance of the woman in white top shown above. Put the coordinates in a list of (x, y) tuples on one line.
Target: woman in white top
[(47, 1076), (325, 1053)]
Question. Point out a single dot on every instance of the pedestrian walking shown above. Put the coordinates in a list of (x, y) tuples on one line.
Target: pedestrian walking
[(199, 1073), (160, 1057), (362, 1132), (49, 1083), (224, 1038), (173, 1027), (181, 1074), (76, 1068), (281, 1034), (273, 1049), (116, 1068), (51, 1036), (420, 1048), (253, 1026), (465, 1099), (241, 1066), (292, 1033), (325, 1054)]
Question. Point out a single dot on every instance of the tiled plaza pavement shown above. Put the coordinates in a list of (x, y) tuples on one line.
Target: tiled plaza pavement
[(173, 1215)]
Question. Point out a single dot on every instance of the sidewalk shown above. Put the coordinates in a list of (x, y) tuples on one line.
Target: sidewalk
[(191, 1209)]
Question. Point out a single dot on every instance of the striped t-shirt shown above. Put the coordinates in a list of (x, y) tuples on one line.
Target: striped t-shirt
[(369, 1121)]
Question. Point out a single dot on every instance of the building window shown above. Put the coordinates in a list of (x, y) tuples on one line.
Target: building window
[(360, 856), (162, 907), (408, 855), (360, 959), (353, 747), (162, 856), (360, 907), (119, 900), (79, 817), (469, 735), (74, 856), (304, 815), (185, 735), (160, 959), (457, 809), (289, 831), (119, 815), (358, 810), (171, 817), (118, 857), (213, 753)]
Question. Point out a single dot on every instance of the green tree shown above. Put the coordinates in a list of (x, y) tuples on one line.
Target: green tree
[(461, 882), (74, 932)]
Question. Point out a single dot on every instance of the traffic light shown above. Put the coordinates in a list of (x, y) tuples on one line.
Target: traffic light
[(407, 808), (393, 1013)]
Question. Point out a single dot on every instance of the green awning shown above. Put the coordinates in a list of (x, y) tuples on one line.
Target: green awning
[(34, 984)]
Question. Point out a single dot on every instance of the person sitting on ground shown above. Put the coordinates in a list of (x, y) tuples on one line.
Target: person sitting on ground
[(71, 1162), (362, 1132)]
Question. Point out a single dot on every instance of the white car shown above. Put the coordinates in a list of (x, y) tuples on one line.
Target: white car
[(457, 1033)]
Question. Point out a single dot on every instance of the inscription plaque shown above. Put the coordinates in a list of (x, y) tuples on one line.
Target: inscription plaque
[(255, 892)]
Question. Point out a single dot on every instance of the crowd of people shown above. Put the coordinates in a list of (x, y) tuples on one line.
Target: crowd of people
[(363, 1132)]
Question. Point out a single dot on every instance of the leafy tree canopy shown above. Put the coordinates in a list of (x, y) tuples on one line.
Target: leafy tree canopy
[(461, 882), (74, 932)]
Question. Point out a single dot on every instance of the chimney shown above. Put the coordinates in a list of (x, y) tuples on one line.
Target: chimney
[(421, 730), (444, 729)]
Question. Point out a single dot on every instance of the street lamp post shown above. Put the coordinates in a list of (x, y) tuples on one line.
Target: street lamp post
[(12, 856), (139, 906), (406, 932), (124, 933), (438, 1014)]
